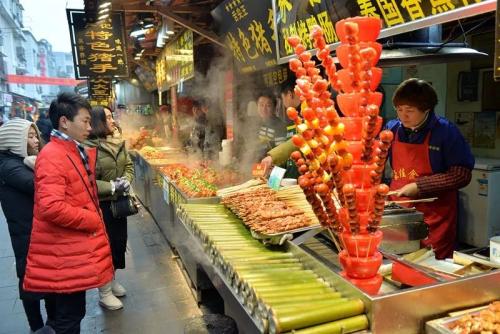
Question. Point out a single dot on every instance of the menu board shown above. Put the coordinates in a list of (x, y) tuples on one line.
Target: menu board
[(248, 30), (98, 48), (100, 90), (297, 17), (176, 62)]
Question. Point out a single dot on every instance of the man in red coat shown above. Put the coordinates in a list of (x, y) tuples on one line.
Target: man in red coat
[(69, 251)]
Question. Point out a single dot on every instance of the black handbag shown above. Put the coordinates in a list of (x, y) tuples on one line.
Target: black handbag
[(124, 206)]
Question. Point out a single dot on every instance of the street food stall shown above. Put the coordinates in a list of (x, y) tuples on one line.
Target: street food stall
[(331, 254)]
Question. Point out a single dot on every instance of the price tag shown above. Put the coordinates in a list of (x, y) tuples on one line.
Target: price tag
[(275, 178), (258, 170)]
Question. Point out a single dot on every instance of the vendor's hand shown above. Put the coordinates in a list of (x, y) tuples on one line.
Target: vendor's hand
[(267, 163), (409, 190)]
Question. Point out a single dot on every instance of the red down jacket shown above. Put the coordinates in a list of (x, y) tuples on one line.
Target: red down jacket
[(69, 249)]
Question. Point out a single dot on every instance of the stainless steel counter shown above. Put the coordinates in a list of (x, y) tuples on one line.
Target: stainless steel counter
[(401, 311)]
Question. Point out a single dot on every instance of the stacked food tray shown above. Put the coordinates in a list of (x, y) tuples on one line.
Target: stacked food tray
[(275, 287)]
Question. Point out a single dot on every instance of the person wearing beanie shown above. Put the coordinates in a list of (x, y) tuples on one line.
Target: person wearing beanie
[(19, 144)]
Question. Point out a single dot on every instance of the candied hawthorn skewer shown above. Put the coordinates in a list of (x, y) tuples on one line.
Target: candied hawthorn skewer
[(378, 208)]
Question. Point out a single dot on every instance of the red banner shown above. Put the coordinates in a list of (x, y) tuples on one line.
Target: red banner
[(27, 79)]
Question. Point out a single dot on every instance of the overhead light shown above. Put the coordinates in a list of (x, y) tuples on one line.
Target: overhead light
[(149, 25), (137, 33), (105, 4), (141, 38), (102, 17), (170, 32), (104, 10)]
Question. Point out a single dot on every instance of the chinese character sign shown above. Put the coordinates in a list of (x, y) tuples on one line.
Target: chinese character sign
[(100, 90), (176, 62), (296, 17), (98, 48), (248, 30)]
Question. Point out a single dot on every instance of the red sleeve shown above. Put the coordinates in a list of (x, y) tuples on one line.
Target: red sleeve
[(50, 192), (454, 178)]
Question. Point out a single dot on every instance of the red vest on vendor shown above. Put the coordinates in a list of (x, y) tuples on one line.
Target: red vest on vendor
[(410, 161)]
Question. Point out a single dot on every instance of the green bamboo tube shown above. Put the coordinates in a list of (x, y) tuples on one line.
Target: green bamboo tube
[(312, 305), (236, 255), (262, 262), (349, 325), (301, 318), (265, 306), (257, 267), (262, 324), (233, 271), (264, 272), (267, 310), (248, 282), (284, 292), (297, 277), (305, 298), (247, 289), (294, 286), (253, 299)]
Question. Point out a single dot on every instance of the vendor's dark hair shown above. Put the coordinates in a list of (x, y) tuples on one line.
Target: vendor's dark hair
[(269, 95), (98, 122), (288, 86), (415, 92), (66, 104)]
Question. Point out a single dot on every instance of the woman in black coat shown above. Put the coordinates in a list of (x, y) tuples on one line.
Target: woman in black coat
[(19, 145)]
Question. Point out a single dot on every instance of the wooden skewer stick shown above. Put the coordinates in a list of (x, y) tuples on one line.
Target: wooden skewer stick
[(422, 200)]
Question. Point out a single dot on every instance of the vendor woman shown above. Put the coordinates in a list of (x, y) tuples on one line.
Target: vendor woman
[(429, 158)]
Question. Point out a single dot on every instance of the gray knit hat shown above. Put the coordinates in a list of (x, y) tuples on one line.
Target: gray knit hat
[(14, 136)]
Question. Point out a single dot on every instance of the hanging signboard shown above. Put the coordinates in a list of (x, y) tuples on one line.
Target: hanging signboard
[(98, 48), (176, 62), (496, 63), (248, 30), (297, 17), (100, 90)]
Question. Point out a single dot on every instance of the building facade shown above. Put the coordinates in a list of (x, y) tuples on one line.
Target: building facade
[(22, 54)]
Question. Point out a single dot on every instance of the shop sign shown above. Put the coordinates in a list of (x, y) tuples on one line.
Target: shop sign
[(176, 62), (276, 77), (98, 48), (100, 90), (297, 17), (496, 63), (247, 27)]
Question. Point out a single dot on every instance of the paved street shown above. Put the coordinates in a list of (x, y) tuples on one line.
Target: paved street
[(158, 299)]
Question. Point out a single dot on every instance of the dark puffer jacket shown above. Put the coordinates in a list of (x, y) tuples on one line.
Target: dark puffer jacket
[(16, 195)]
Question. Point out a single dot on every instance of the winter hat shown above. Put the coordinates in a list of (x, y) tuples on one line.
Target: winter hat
[(14, 136)]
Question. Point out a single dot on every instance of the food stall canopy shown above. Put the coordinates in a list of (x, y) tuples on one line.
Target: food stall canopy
[(247, 27), (296, 17), (176, 62), (98, 48)]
